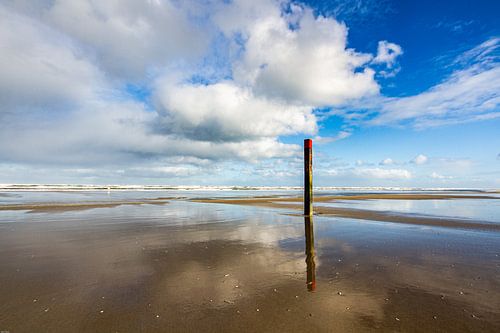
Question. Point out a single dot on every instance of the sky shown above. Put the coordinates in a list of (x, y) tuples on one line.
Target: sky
[(221, 92)]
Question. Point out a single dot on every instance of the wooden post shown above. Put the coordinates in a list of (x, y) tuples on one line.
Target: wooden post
[(308, 195)]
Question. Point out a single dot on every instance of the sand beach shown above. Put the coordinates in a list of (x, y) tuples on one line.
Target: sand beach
[(227, 261)]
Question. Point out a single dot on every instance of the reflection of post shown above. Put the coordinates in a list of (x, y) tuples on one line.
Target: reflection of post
[(308, 195), (310, 254)]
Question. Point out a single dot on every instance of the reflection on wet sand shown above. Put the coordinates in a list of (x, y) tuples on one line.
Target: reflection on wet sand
[(310, 255), (194, 267), (292, 203)]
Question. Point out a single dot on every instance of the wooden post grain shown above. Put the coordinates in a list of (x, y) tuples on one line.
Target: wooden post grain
[(308, 195)]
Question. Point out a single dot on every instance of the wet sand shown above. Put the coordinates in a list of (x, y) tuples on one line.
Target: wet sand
[(369, 214), (333, 198), (191, 267), (75, 206)]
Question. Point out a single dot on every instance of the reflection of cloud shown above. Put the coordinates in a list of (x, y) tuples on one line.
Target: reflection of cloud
[(343, 246), (201, 265), (269, 236), (221, 271), (432, 273)]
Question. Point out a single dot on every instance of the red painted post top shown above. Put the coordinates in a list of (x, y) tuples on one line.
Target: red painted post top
[(308, 143)]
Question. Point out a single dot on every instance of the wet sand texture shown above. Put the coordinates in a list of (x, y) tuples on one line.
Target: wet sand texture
[(146, 278), (75, 206), (201, 267)]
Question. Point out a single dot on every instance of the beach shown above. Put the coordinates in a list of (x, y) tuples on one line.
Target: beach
[(226, 261)]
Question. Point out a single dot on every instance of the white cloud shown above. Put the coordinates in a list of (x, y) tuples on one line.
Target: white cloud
[(126, 37), (120, 133), (484, 53), (64, 65), (327, 139), (387, 53), (63, 93), (40, 67), (308, 65), (361, 163), (330, 172), (435, 175), (226, 112), (420, 159), (469, 94), (358, 10), (380, 173), (360, 172), (164, 171), (387, 161)]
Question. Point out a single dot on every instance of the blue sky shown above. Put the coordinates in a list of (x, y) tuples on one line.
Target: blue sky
[(394, 93)]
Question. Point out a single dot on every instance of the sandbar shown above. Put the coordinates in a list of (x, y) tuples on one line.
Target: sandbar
[(363, 214)]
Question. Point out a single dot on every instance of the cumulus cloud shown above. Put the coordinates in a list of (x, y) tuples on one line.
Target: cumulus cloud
[(308, 65), (121, 134), (75, 56), (226, 112), (65, 67), (420, 159)]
